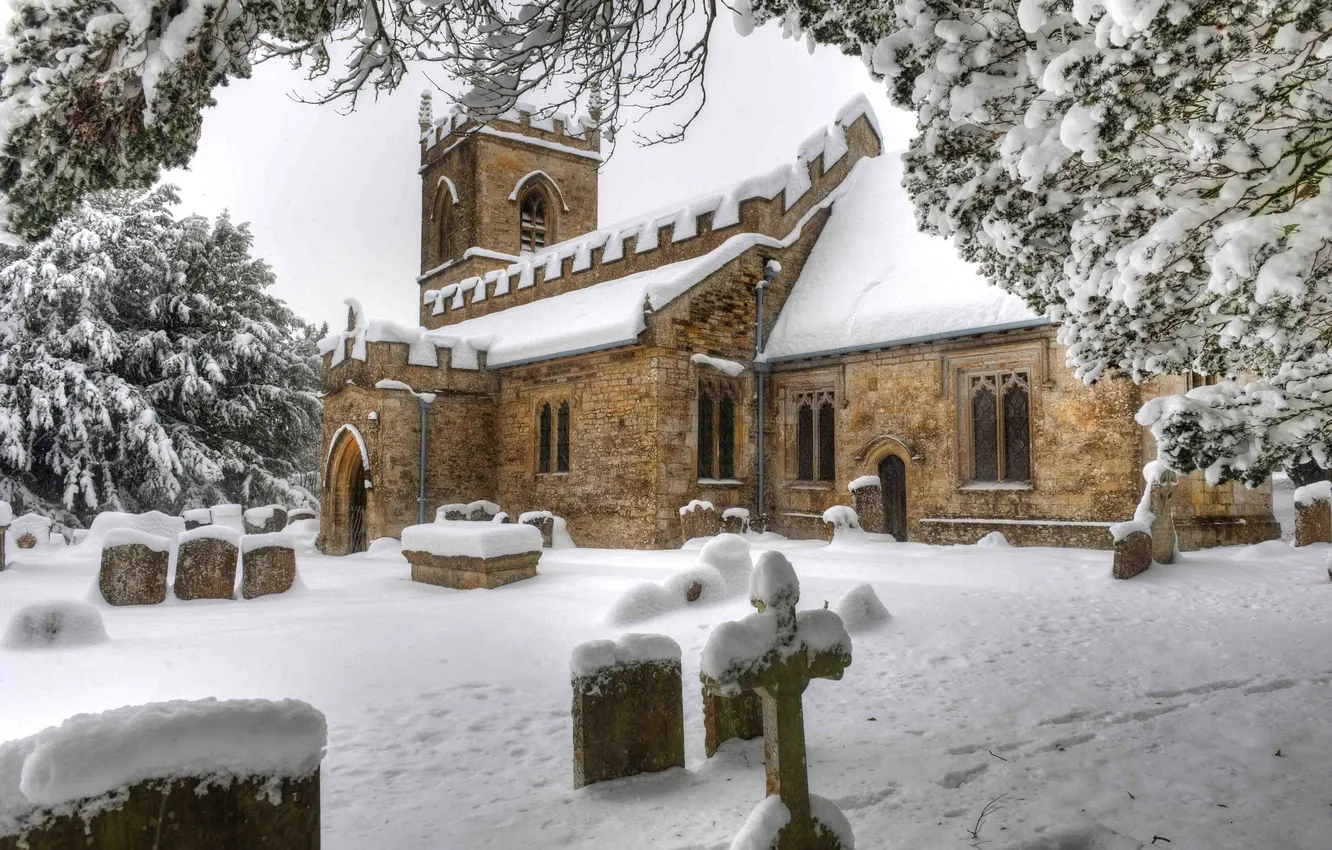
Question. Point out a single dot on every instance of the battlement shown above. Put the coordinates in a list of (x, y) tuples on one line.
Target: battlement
[(526, 124), (770, 204), (372, 351)]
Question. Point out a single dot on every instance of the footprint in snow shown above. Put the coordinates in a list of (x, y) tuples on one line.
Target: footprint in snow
[(958, 778)]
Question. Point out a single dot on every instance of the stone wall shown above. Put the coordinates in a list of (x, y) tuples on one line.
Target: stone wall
[(908, 402), (461, 454)]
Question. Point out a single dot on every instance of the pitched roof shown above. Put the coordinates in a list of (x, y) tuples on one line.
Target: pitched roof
[(873, 280)]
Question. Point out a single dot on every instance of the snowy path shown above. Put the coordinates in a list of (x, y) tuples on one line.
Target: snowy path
[(1154, 706)]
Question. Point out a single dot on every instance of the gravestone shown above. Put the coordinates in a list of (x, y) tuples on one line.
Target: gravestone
[(454, 512), (197, 518), (6, 517), (544, 521), (470, 555), (269, 519), (628, 708), (1313, 513), (724, 718), (1133, 550), (268, 564), (134, 567), (699, 519), (203, 775), (206, 564), (735, 521), (776, 653), (482, 511), (867, 502), (297, 514)]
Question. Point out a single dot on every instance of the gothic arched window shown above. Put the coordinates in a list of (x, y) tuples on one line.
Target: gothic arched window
[(562, 439), (543, 439), (534, 222), (1000, 426), (705, 434), (444, 227), (716, 429), (815, 436)]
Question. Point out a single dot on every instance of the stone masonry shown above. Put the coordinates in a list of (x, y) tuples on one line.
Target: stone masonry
[(187, 814), (628, 718), (267, 570), (1133, 555), (633, 447), (206, 569), (133, 574), (726, 717)]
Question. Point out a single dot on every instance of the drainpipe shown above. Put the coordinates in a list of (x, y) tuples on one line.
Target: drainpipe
[(770, 270), (423, 402)]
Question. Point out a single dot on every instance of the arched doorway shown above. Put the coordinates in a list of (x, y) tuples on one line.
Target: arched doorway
[(892, 478), (346, 522)]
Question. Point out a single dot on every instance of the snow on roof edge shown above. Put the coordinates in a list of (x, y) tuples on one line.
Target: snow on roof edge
[(913, 340)]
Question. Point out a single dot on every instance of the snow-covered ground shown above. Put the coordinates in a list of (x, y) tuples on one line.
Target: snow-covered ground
[(1156, 706)]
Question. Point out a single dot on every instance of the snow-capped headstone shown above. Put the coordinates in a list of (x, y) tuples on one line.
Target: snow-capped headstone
[(735, 520), (843, 521), (467, 555), (729, 555), (724, 718), (197, 518), (628, 708), (1133, 549), (544, 522), (228, 515), (482, 510), (134, 567), (266, 520), (776, 653), (1156, 510), (861, 609), (699, 519), (6, 517), (1313, 513), (298, 514), (206, 563), (268, 564), (181, 775), (867, 502)]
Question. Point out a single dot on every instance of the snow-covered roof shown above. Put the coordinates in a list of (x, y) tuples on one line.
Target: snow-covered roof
[(644, 229), (874, 280)]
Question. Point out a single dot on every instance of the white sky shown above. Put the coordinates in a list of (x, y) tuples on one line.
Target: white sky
[(334, 200)]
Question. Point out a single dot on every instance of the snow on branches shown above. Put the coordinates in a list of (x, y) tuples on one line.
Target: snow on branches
[(1153, 174), (143, 367)]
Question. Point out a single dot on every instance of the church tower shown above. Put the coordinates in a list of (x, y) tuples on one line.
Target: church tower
[(491, 192)]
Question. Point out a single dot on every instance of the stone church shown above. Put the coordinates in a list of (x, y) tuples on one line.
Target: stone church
[(783, 336)]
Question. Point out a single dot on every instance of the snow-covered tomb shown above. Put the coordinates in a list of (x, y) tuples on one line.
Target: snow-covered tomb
[(467, 555)]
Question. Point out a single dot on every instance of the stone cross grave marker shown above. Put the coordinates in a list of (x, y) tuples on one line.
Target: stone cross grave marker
[(776, 653)]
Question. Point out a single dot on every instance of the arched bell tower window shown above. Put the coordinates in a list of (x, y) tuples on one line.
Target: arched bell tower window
[(444, 227), (534, 222)]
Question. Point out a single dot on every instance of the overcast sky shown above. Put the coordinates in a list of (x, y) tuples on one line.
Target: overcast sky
[(334, 200)]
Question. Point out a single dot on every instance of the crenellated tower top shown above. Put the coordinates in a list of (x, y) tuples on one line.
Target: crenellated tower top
[(492, 191)]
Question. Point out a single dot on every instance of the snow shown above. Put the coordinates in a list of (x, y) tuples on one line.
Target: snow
[(153, 523), (861, 609), (276, 540), (1309, 494), (729, 554), (712, 584), (830, 817), (642, 601), (203, 515), (1121, 530), (54, 625), (762, 825), (460, 538), (773, 579), (872, 279), (230, 515), (129, 536), (213, 532), (696, 505), (594, 657), (93, 754), (841, 518), (529, 516), (740, 513), (259, 516), (1093, 837), (6, 513), (863, 481), (729, 367), (993, 539), (1177, 686)]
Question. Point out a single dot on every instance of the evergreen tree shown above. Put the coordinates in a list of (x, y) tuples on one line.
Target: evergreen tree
[(144, 367)]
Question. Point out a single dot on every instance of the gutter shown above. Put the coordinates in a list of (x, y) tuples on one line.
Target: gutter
[(911, 340)]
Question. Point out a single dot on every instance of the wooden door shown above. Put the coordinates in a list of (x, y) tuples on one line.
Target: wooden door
[(892, 478)]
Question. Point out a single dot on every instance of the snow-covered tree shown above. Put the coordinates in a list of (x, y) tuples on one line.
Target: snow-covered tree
[(143, 366), (1150, 173)]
